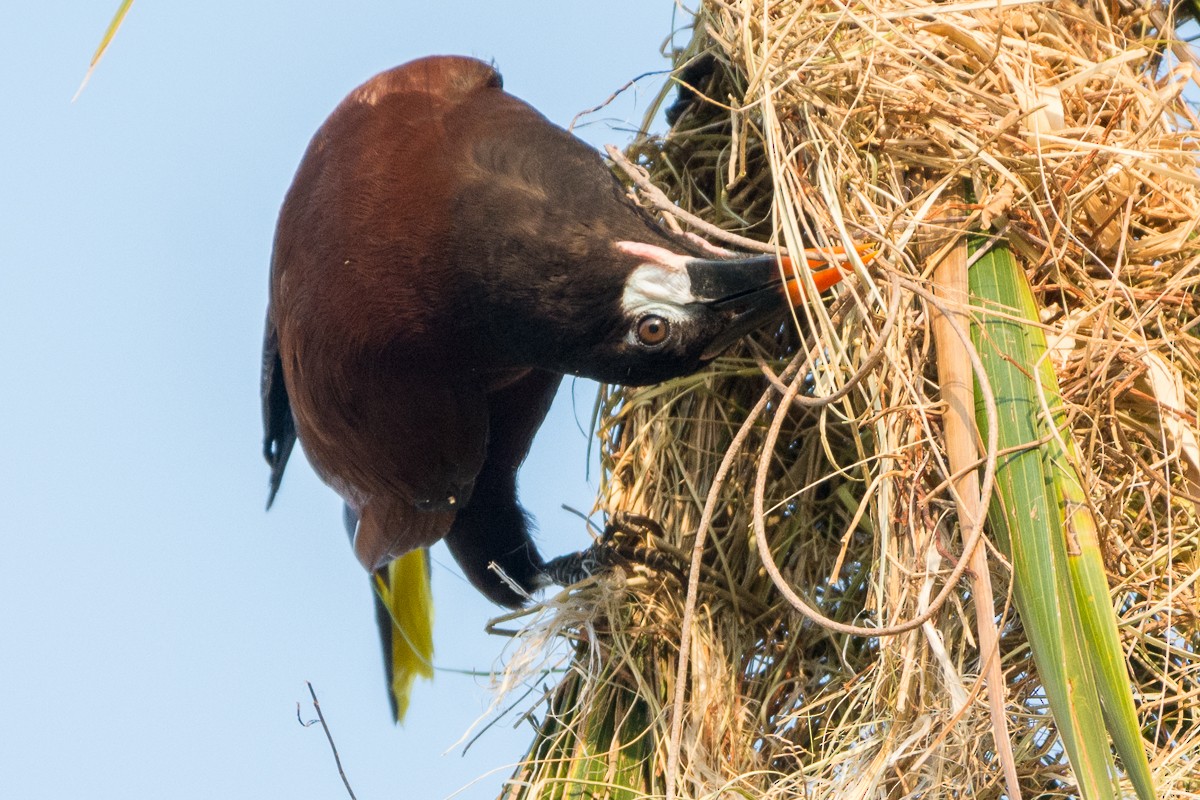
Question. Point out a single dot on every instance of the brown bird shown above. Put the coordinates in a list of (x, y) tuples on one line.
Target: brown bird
[(443, 257)]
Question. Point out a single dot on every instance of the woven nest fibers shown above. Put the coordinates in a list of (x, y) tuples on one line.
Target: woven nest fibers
[(1060, 130)]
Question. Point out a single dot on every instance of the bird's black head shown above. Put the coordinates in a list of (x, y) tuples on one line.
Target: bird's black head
[(674, 314), (565, 273), (639, 313)]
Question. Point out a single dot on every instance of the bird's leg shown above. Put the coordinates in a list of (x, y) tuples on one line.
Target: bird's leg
[(492, 528), (627, 539)]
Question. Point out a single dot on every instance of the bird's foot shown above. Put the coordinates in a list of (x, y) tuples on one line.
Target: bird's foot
[(627, 539)]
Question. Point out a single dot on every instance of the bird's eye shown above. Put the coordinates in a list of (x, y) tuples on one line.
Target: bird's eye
[(652, 330)]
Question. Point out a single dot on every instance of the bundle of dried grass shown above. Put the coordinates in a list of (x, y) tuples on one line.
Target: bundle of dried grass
[(1060, 126)]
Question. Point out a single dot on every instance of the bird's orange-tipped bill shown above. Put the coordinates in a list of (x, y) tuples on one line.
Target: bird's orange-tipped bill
[(828, 266), (750, 292)]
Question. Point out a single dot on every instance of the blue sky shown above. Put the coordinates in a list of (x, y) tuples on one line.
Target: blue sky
[(156, 626)]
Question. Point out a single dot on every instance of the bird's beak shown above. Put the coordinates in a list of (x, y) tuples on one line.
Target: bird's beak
[(750, 292)]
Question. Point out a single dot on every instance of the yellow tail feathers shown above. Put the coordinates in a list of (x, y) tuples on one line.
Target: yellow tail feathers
[(404, 611)]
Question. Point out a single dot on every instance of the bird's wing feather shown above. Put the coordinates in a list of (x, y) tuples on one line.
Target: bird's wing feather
[(279, 428)]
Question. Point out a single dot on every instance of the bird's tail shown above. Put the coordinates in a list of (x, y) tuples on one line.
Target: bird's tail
[(404, 611)]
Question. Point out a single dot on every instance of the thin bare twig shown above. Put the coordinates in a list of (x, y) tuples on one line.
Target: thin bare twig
[(614, 96), (325, 726)]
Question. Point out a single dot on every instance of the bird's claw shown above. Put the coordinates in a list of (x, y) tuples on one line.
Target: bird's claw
[(576, 567), (627, 539)]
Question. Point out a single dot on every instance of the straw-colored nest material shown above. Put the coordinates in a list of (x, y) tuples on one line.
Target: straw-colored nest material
[(1061, 125)]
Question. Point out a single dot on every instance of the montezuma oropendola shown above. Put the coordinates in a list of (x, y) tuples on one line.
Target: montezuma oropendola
[(443, 257)]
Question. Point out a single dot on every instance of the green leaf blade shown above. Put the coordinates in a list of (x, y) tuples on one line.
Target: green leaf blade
[(1027, 517)]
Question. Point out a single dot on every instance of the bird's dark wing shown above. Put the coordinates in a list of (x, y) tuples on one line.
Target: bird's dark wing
[(279, 429)]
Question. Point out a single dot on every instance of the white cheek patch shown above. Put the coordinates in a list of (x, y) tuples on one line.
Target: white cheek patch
[(653, 286), (661, 284)]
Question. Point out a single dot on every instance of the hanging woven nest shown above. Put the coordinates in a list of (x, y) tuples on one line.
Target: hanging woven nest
[(1057, 134)]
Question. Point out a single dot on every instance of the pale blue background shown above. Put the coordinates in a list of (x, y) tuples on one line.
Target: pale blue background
[(156, 627)]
